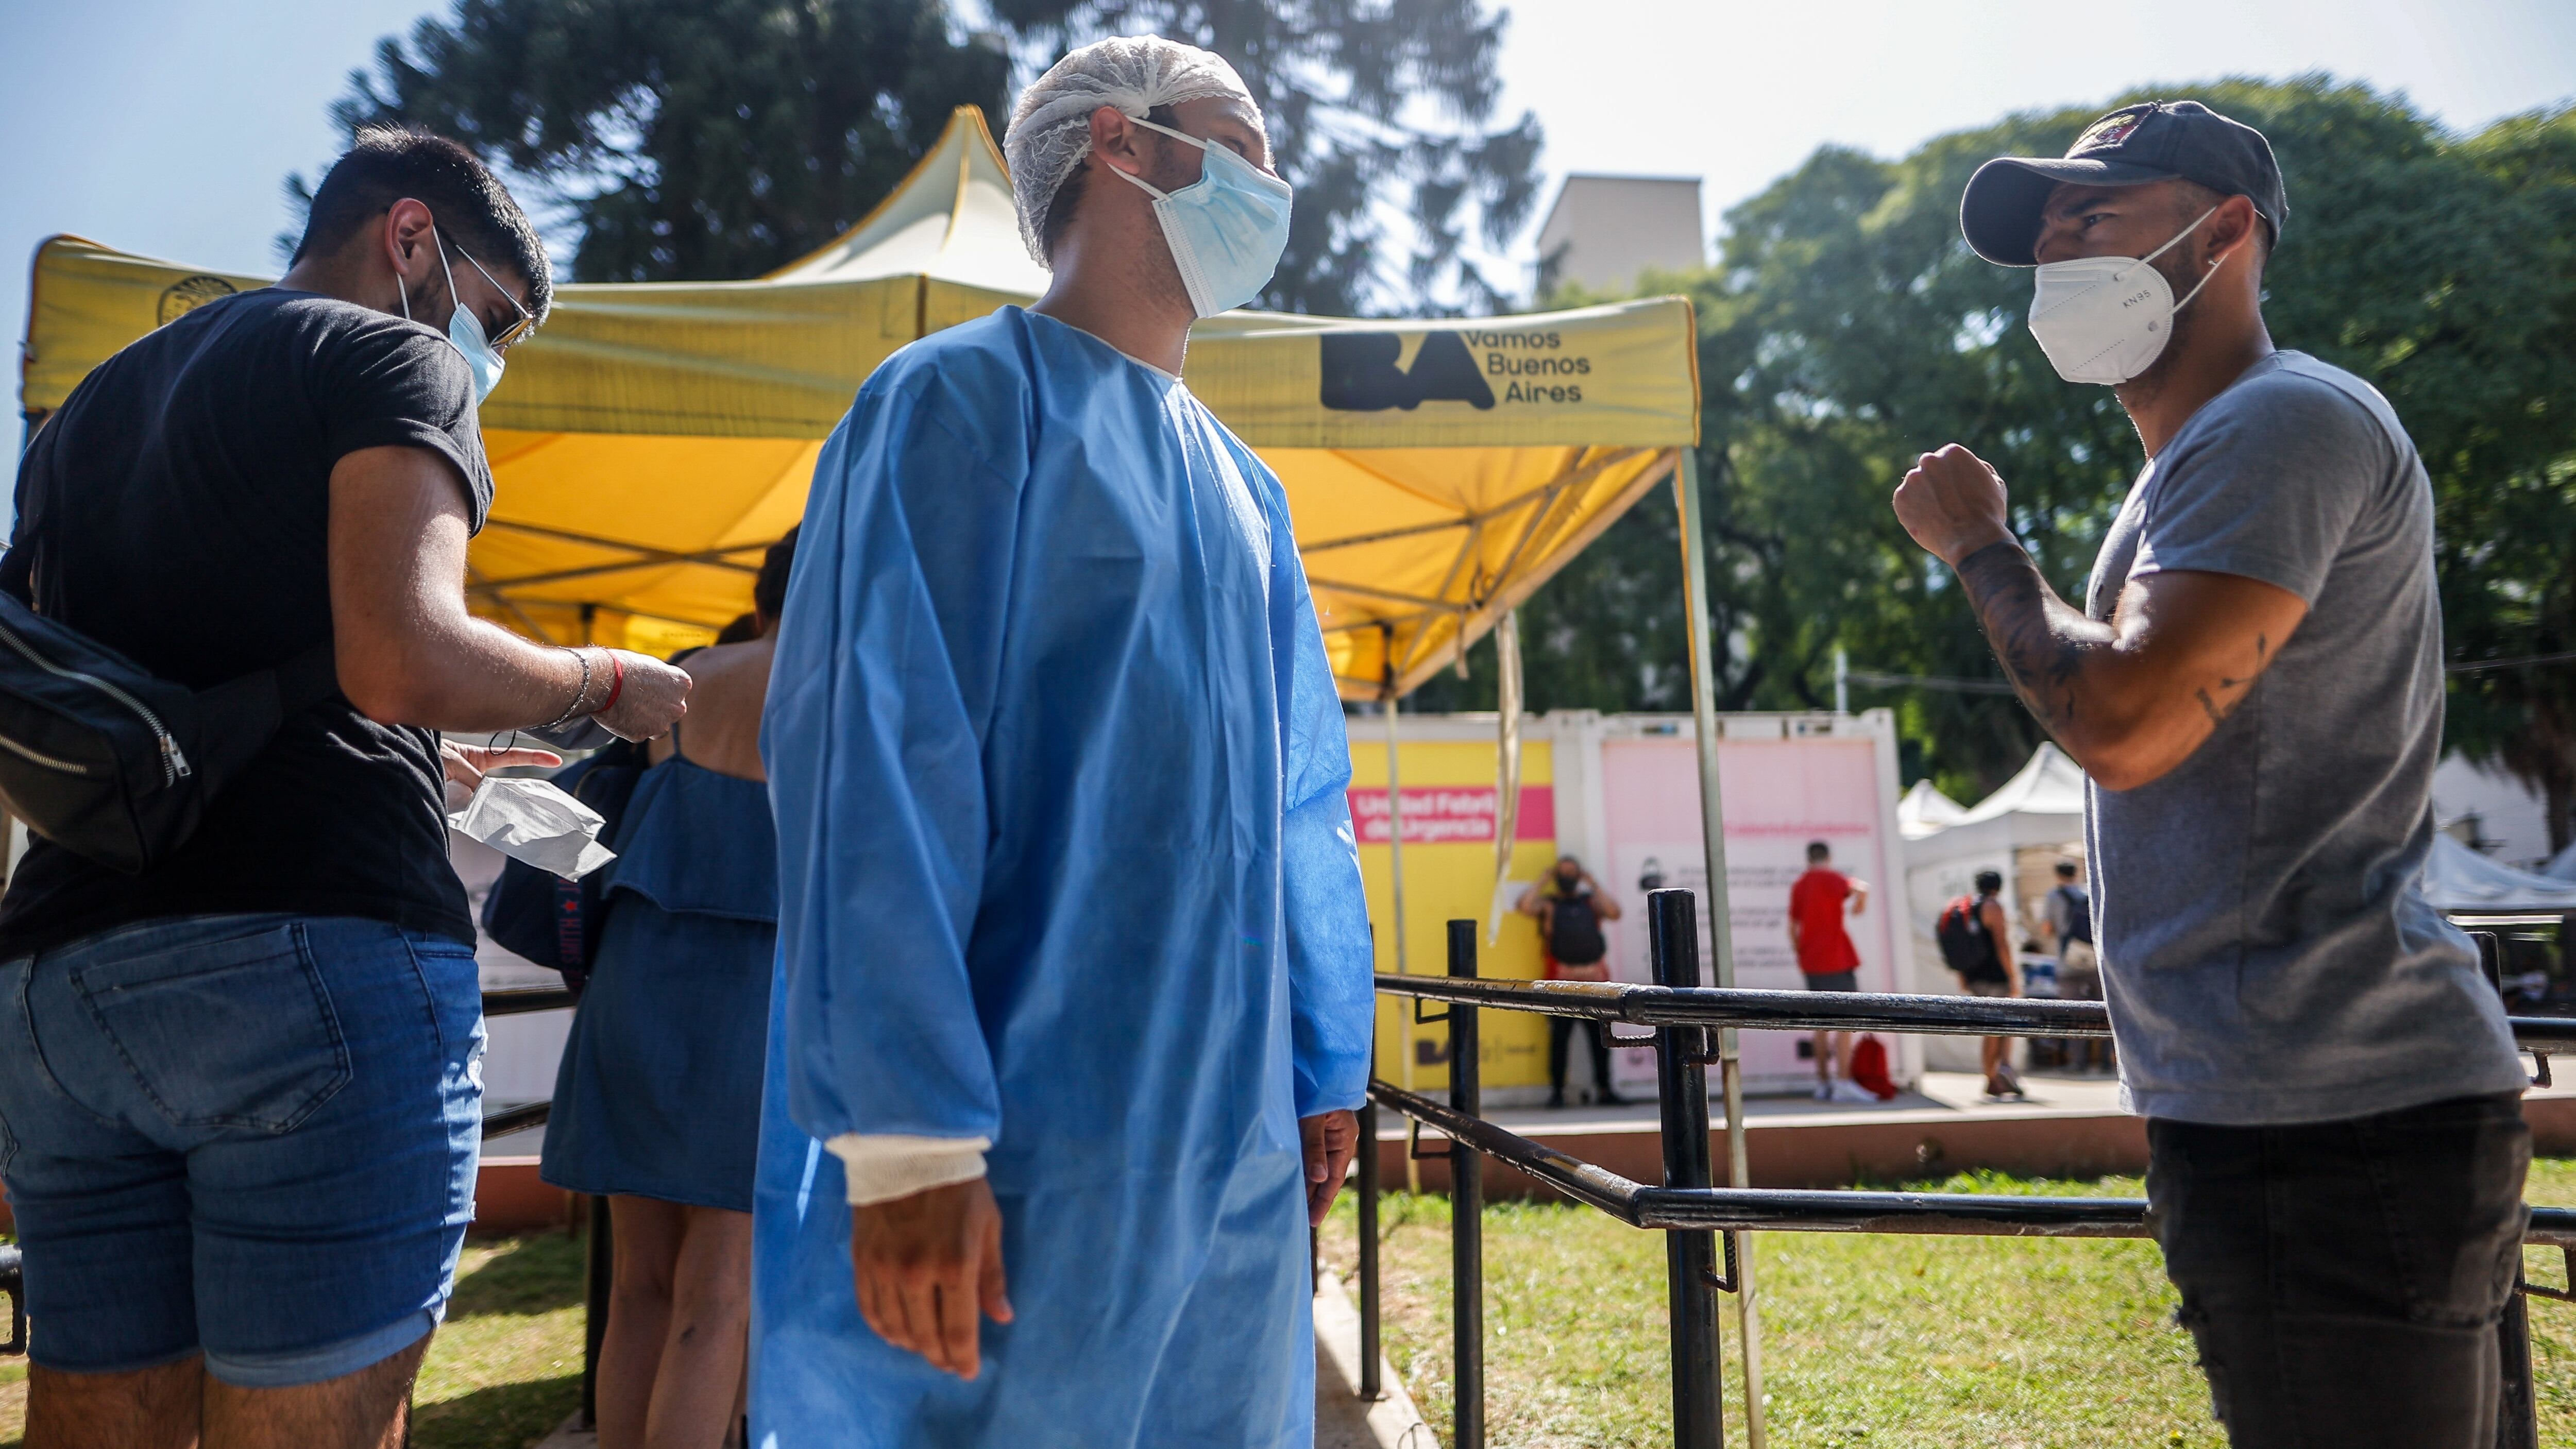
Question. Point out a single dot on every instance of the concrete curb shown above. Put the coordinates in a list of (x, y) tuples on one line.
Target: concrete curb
[(1343, 1420)]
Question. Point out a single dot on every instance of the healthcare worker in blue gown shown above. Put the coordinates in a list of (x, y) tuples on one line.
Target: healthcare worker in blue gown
[(1075, 992)]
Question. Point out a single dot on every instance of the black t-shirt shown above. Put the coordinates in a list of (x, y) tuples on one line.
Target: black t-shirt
[(180, 503)]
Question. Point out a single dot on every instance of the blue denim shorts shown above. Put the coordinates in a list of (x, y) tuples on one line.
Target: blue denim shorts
[(250, 1136)]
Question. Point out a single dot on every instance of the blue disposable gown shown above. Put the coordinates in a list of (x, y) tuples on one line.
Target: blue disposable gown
[(1065, 861)]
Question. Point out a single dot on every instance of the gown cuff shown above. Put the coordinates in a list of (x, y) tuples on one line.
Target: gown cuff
[(881, 1167)]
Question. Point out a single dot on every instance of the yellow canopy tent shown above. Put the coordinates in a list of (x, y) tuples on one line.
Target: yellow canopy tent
[(653, 438)]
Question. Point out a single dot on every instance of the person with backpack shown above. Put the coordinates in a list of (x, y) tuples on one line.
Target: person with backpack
[(241, 1108), (2066, 923), (657, 1101), (1975, 944), (2066, 920), (1570, 907)]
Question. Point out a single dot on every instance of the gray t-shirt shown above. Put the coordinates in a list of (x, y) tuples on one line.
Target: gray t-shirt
[(2266, 951)]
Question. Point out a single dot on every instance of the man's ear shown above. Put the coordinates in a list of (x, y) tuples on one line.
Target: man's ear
[(407, 238), (1118, 141), (2232, 228)]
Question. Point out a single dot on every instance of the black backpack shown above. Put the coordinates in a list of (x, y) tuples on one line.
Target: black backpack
[(1574, 931), (115, 764), (556, 922), (1965, 946)]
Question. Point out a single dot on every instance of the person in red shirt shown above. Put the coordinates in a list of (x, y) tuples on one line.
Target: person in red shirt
[(1827, 960)]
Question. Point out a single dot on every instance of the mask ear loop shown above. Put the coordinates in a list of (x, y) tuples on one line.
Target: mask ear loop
[(459, 298), (1149, 187), (2122, 275)]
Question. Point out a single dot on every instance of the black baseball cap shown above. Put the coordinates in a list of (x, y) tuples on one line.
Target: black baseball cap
[(2150, 141)]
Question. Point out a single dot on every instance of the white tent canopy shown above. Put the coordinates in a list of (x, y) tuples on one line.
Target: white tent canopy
[(2460, 881), (1925, 810), (2042, 805)]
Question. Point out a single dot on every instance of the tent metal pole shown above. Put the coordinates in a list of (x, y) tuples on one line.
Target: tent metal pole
[(1721, 932), (1395, 879)]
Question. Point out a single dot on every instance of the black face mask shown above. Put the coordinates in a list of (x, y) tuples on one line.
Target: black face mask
[(1569, 884)]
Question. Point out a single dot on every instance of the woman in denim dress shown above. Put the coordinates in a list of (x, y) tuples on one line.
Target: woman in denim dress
[(657, 1103)]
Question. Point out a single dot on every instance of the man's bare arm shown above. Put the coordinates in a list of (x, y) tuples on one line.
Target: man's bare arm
[(407, 650), (1603, 903), (2129, 699)]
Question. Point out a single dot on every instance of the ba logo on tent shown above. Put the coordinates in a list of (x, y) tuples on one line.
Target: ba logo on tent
[(1361, 375)]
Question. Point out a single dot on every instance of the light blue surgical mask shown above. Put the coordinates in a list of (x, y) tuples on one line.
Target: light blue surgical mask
[(464, 329), (1226, 229)]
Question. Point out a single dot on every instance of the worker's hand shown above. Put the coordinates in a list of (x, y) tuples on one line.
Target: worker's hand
[(654, 695), (466, 765), (925, 1264), (1953, 504), (1329, 1139)]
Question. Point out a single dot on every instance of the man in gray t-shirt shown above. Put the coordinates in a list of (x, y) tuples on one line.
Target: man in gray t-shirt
[(2254, 686)]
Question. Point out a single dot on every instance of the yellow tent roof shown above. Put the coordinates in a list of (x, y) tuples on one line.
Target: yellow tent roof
[(653, 438)]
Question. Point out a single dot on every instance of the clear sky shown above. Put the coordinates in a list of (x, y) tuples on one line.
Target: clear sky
[(168, 128)]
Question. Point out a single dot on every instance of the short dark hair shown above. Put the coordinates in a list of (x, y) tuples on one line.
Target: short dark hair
[(744, 629), (2066, 868), (1068, 192), (474, 211), (1989, 881), (1818, 850), (769, 591)]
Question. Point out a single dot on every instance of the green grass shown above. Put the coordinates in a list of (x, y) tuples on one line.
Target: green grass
[(1868, 1342), (506, 1367)]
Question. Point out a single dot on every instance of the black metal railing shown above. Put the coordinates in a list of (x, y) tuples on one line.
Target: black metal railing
[(1692, 1211)]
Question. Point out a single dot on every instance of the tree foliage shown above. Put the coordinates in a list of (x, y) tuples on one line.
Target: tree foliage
[(687, 140), (1848, 329), (1379, 111), (705, 139)]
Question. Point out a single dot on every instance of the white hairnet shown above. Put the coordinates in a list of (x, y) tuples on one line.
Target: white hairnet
[(1050, 128)]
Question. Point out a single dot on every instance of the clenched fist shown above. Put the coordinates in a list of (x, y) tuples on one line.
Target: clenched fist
[(1953, 504)]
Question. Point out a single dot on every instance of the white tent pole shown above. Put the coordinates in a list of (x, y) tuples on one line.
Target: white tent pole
[(1721, 930), (1395, 878)]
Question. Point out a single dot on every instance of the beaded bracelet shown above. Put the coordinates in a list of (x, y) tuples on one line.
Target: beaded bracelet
[(574, 708)]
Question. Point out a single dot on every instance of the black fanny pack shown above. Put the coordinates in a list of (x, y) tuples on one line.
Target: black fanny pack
[(115, 764)]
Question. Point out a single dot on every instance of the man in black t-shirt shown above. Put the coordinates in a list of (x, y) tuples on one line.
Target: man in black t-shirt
[(240, 1104)]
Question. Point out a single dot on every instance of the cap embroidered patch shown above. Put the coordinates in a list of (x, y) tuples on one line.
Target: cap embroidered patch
[(2111, 130)]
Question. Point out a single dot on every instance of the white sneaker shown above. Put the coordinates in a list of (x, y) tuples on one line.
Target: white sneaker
[(1824, 1091), (1849, 1091)]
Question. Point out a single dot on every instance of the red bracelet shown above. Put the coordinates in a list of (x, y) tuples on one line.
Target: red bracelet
[(617, 683)]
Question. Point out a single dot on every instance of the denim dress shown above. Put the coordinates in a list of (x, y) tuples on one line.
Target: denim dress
[(659, 1092)]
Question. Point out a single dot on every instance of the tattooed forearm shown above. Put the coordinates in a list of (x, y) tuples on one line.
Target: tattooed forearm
[(2232, 688), (2038, 639)]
